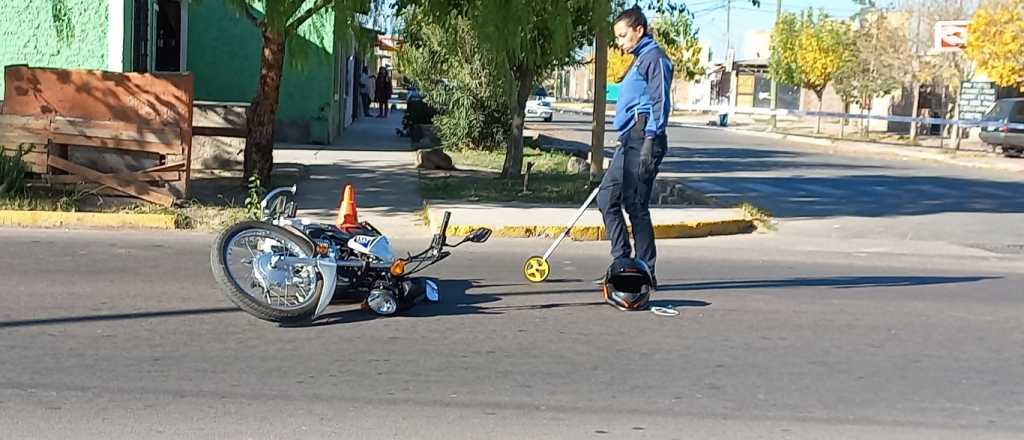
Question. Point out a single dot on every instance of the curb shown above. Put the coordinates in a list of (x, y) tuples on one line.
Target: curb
[(50, 219), (597, 233)]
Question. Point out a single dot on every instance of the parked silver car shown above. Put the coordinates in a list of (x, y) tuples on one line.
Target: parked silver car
[(1005, 112)]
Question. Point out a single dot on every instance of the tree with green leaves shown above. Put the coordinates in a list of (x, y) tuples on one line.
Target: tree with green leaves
[(882, 48), (279, 23), (676, 34), (808, 50), (468, 95), (845, 82), (524, 41)]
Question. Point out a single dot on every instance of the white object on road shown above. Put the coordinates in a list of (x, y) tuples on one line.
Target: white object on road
[(664, 311)]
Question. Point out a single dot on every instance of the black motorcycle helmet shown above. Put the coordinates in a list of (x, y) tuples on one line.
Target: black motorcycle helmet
[(628, 284)]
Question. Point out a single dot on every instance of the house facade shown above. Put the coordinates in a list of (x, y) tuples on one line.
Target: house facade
[(208, 39)]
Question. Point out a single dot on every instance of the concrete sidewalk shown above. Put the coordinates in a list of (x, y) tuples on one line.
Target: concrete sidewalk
[(974, 158), (378, 162)]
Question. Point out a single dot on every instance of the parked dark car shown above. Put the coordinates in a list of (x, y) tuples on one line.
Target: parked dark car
[(1005, 112)]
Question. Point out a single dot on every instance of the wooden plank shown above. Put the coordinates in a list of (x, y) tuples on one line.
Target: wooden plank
[(219, 131), (28, 122), (116, 144), (159, 176), (12, 136), (175, 166), (153, 134), (127, 186), (97, 95)]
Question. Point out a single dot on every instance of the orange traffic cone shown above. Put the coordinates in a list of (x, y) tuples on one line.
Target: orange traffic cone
[(347, 216)]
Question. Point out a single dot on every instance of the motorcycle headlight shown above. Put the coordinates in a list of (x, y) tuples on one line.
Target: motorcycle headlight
[(398, 267), (382, 302)]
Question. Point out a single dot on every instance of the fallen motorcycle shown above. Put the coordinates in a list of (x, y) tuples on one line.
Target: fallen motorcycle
[(287, 270)]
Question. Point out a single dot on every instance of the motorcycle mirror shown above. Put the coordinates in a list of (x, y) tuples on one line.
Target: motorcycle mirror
[(479, 236)]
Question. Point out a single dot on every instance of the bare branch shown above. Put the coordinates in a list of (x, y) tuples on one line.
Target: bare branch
[(309, 13)]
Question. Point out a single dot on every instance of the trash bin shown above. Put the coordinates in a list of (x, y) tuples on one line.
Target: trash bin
[(723, 119)]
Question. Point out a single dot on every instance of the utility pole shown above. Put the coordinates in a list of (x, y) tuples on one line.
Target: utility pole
[(775, 84), (914, 75), (728, 26), (597, 129)]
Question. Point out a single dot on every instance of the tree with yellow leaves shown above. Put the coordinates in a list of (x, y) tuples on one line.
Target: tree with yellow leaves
[(994, 41), (808, 51), (618, 64)]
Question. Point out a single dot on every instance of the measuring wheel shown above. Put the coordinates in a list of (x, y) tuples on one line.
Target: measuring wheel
[(536, 269)]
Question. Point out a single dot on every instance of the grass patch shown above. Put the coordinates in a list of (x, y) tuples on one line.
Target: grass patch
[(50, 201), (762, 217), (424, 213), (543, 161), (549, 183), (544, 188), (191, 215)]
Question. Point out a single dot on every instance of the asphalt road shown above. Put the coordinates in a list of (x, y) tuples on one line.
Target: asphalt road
[(123, 335), (815, 194)]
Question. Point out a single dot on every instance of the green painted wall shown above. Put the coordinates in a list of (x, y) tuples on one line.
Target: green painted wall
[(27, 35), (223, 54)]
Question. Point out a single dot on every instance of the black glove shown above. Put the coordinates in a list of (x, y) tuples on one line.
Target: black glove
[(647, 155)]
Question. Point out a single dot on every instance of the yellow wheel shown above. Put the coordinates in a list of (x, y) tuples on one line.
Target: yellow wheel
[(536, 269)]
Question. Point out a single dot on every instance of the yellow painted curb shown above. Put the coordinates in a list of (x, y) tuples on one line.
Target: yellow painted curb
[(49, 219), (597, 233)]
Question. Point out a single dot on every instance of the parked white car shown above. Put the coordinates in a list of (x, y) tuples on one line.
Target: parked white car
[(539, 106)]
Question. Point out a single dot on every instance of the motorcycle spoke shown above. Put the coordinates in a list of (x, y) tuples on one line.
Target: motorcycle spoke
[(256, 261)]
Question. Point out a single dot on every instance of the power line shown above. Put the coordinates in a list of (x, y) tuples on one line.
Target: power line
[(711, 9), (702, 4), (839, 11)]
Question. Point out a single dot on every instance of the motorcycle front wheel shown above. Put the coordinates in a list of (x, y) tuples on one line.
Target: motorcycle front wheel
[(245, 262)]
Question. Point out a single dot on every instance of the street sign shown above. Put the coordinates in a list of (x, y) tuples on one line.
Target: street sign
[(951, 36), (976, 98)]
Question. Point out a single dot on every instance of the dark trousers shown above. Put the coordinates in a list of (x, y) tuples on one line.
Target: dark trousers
[(627, 186), (365, 101)]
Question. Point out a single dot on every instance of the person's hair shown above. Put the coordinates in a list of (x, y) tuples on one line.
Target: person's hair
[(633, 17)]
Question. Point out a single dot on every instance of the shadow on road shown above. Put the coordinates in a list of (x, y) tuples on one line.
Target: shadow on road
[(846, 282), (116, 317)]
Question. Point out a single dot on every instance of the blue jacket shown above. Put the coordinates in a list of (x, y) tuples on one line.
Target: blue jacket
[(646, 89)]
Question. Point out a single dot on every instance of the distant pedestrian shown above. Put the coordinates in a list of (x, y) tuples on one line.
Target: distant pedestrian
[(383, 90), (364, 91)]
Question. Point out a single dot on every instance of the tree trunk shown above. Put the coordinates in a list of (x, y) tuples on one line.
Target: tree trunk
[(513, 166), (259, 140), (956, 117), (842, 122), (914, 112), (865, 121), (817, 130)]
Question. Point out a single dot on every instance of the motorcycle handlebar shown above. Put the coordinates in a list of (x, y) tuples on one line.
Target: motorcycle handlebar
[(443, 232), (444, 227)]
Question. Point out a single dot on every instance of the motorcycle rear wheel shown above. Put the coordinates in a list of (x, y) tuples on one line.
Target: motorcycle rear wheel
[(236, 252)]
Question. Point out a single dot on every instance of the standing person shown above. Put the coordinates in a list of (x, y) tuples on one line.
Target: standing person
[(641, 115), (383, 91), (364, 91), (372, 91)]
